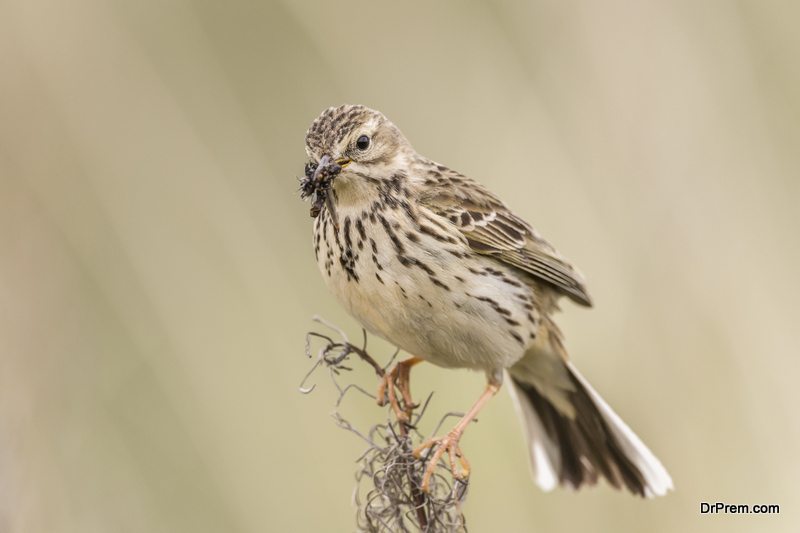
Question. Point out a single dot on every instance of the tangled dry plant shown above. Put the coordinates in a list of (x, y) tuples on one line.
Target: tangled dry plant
[(388, 493)]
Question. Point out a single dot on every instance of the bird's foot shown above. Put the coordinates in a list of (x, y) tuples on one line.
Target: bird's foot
[(398, 378), (441, 445)]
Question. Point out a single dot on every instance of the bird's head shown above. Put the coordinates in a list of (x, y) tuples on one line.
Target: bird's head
[(356, 138), (351, 148)]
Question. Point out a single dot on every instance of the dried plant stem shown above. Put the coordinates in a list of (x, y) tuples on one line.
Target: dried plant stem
[(388, 493)]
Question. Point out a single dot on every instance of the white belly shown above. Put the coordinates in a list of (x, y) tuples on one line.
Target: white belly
[(427, 301)]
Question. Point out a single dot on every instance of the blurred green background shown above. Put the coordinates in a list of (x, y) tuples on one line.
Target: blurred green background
[(157, 277)]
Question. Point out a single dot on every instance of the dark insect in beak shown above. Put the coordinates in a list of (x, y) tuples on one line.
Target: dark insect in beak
[(317, 185)]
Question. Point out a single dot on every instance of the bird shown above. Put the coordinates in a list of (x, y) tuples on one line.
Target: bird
[(433, 262)]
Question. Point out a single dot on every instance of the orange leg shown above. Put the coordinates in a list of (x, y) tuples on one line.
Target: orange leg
[(400, 377), (449, 443)]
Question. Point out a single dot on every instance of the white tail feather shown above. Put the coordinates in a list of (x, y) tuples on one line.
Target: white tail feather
[(544, 455), (657, 480)]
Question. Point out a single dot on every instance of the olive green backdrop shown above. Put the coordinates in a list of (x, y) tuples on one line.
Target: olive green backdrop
[(156, 273)]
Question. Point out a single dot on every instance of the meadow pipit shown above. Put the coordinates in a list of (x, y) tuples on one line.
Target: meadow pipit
[(434, 263)]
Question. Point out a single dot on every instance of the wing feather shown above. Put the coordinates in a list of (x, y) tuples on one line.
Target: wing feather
[(492, 229)]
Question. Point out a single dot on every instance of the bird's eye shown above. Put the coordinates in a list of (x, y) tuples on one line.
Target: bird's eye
[(362, 143)]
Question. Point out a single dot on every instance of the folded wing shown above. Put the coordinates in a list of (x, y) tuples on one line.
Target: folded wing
[(492, 229)]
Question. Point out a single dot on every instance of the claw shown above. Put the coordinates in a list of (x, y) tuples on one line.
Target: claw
[(449, 445), (386, 392), (398, 377), (404, 384)]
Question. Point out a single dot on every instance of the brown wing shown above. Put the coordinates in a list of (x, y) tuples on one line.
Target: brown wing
[(492, 229)]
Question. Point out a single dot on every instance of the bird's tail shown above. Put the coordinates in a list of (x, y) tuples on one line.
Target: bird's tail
[(574, 437)]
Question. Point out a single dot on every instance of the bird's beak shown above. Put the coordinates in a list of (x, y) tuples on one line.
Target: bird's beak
[(328, 168), (326, 171)]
